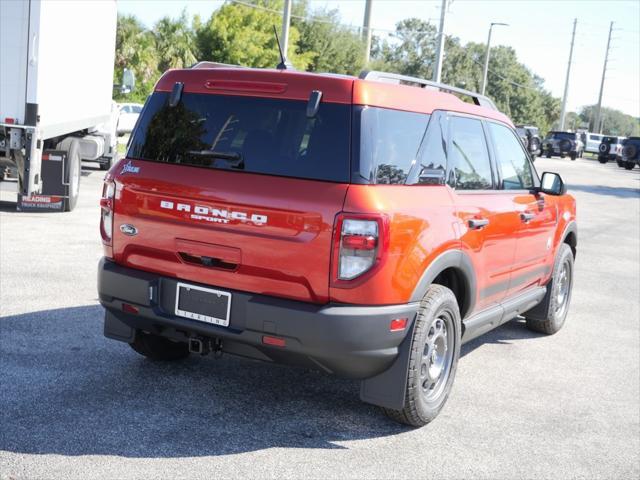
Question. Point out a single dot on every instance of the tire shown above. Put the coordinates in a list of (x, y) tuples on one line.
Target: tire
[(548, 155), (437, 330), (629, 151), (602, 160), (603, 148), (159, 348), (550, 314), (573, 155), (73, 174), (629, 165), (620, 164)]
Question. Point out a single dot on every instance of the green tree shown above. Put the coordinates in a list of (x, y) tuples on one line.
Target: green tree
[(175, 42), (241, 35), (614, 121), (332, 47), (136, 50)]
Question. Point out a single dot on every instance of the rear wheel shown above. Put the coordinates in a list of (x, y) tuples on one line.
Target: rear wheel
[(549, 316), (602, 159), (74, 167), (573, 155), (435, 349), (155, 347), (629, 165)]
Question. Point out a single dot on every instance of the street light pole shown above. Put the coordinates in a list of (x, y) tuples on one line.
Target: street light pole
[(286, 20), (366, 30), (486, 56)]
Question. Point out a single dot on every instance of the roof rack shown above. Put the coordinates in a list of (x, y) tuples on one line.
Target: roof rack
[(395, 78), (213, 65)]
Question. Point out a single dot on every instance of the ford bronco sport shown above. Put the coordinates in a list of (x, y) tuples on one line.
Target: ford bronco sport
[(365, 227)]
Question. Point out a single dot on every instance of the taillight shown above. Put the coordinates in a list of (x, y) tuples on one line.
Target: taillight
[(106, 211), (359, 245)]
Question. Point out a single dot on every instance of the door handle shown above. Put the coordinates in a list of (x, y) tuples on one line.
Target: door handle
[(526, 217), (478, 223)]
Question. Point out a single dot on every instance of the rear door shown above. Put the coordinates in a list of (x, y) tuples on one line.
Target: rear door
[(536, 213), (235, 192), (487, 218)]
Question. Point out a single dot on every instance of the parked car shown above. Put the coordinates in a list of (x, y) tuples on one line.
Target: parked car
[(331, 222), (563, 144), (530, 139), (630, 153), (592, 142), (610, 148), (129, 113)]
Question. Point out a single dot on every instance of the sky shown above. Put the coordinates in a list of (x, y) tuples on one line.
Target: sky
[(538, 30)]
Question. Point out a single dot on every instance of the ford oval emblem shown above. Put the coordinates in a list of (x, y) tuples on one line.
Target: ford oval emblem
[(128, 229)]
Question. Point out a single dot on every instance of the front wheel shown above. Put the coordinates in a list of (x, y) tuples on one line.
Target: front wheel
[(573, 155), (550, 314), (435, 349)]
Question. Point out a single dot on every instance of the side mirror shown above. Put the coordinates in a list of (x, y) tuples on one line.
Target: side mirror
[(128, 81), (551, 183)]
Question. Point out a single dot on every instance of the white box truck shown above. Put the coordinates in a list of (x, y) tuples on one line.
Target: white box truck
[(56, 89)]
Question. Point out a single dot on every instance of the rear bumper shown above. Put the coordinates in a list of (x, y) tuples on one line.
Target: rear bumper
[(350, 341)]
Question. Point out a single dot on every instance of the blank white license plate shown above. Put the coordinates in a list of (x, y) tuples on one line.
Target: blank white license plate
[(203, 304)]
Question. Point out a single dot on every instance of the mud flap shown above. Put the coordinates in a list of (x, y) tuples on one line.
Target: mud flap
[(116, 329), (54, 185), (388, 388)]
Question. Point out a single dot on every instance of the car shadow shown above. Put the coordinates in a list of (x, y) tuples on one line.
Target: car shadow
[(505, 334), (67, 390), (620, 192)]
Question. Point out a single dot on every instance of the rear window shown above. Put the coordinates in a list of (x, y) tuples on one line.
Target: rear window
[(562, 135), (610, 139), (257, 135)]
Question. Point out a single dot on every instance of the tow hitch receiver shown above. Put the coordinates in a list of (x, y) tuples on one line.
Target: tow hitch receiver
[(204, 346)]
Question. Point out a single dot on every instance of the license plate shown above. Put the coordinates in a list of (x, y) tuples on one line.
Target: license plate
[(203, 304)]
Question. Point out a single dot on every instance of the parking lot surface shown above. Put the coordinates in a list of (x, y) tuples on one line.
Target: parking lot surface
[(75, 405)]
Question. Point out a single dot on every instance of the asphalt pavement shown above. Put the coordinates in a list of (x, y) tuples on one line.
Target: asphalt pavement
[(76, 405)]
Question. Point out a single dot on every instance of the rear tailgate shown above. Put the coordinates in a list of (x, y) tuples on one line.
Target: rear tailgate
[(234, 191), (233, 230)]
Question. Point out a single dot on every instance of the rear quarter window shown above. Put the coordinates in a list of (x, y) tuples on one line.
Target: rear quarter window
[(388, 143)]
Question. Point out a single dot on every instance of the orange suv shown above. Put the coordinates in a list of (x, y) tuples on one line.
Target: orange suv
[(365, 227)]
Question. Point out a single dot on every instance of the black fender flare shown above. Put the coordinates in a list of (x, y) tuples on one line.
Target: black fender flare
[(387, 389), (450, 259), (572, 227)]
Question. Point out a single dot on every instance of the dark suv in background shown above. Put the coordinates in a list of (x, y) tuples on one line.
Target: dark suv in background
[(610, 148), (530, 137), (563, 144), (630, 154)]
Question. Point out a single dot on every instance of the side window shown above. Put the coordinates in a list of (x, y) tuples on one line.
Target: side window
[(389, 142), (136, 109), (469, 166), (432, 159), (511, 159)]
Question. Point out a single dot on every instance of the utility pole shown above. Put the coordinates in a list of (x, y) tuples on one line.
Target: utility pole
[(366, 30), (604, 72), (563, 112), (437, 71), (485, 71), (286, 20)]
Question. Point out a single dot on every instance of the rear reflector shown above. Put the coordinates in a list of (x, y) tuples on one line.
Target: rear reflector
[(128, 308), (398, 324), (274, 341), (10, 120)]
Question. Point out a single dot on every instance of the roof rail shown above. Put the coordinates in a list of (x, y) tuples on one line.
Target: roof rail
[(214, 65), (395, 78)]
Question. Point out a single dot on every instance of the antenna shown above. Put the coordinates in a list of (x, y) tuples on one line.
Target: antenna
[(284, 63)]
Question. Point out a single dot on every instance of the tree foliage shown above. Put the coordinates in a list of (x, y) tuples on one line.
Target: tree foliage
[(242, 34)]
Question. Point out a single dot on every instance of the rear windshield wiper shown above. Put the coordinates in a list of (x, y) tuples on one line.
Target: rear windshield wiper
[(233, 158)]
